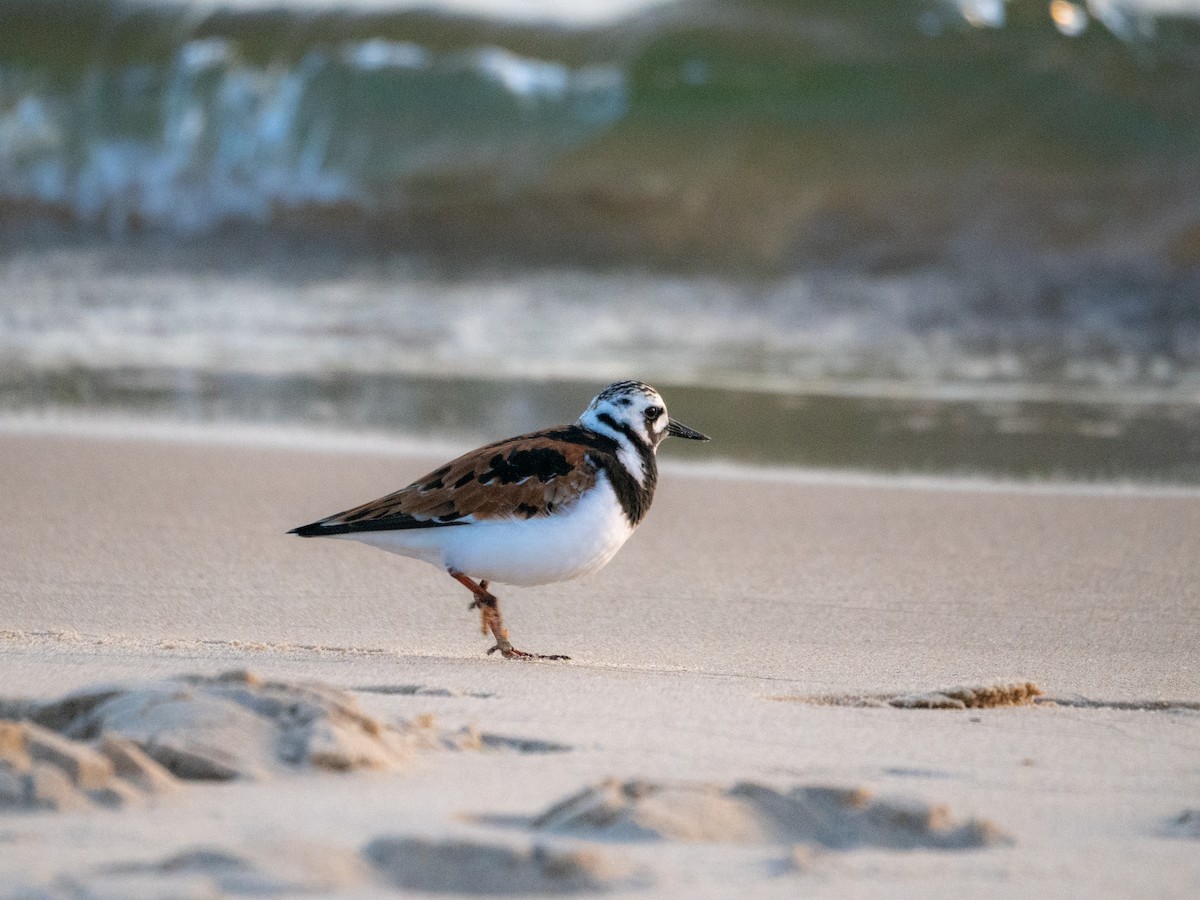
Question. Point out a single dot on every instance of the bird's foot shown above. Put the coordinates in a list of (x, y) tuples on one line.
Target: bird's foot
[(508, 651), (491, 621)]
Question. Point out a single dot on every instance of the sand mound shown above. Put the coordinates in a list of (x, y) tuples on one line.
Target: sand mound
[(461, 867), (287, 869), (988, 696), (836, 818), (43, 770), (233, 726)]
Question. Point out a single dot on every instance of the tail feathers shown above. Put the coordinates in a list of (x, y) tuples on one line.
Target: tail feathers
[(327, 528), (317, 529)]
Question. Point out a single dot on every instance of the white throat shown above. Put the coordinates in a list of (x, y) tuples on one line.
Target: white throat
[(627, 453), (631, 460)]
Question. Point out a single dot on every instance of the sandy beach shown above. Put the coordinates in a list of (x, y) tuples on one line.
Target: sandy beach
[(781, 633)]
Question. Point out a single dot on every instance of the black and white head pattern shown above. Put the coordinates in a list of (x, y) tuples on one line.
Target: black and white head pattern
[(630, 409), (634, 415)]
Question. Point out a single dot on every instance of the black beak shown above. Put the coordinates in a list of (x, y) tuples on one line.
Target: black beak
[(683, 431)]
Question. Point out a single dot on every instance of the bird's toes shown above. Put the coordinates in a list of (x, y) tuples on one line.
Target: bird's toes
[(511, 652)]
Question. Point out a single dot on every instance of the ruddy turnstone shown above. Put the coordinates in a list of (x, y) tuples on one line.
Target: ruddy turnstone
[(533, 509)]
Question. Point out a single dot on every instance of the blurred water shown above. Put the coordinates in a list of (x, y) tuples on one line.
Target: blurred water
[(189, 117), (283, 304), (1146, 443), (865, 207), (206, 138)]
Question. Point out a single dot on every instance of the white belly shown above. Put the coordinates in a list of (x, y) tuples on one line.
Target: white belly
[(520, 551)]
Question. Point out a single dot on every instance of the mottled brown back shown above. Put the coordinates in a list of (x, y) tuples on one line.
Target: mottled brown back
[(525, 477)]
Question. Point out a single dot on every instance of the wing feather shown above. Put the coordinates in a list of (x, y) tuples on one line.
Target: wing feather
[(530, 476)]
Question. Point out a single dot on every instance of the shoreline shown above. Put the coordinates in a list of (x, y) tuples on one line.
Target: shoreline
[(315, 439)]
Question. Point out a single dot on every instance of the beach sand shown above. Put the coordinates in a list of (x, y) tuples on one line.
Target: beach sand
[(764, 636)]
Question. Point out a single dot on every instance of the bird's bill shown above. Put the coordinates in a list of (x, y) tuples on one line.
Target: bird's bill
[(683, 431)]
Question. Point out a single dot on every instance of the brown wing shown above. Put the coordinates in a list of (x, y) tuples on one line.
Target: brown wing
[(521, 478)]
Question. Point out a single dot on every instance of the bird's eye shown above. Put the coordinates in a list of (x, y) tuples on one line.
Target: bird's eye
[(653, 412)]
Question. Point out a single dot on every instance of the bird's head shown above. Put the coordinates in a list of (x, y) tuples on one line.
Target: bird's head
[(635, 411)]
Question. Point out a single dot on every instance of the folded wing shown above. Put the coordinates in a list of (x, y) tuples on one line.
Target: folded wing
[(526, 477)]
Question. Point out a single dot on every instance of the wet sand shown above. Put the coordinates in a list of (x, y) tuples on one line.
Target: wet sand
[(760, 628)]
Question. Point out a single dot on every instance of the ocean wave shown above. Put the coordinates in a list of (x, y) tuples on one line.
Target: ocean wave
[(210, 137), (190, 117)]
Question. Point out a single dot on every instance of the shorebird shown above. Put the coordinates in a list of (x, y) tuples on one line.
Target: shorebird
[(534, 509)]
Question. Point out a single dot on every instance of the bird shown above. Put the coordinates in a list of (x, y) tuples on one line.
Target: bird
[(538, 508)]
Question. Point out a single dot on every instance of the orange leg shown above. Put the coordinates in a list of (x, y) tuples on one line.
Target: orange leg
[(490, 620)]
